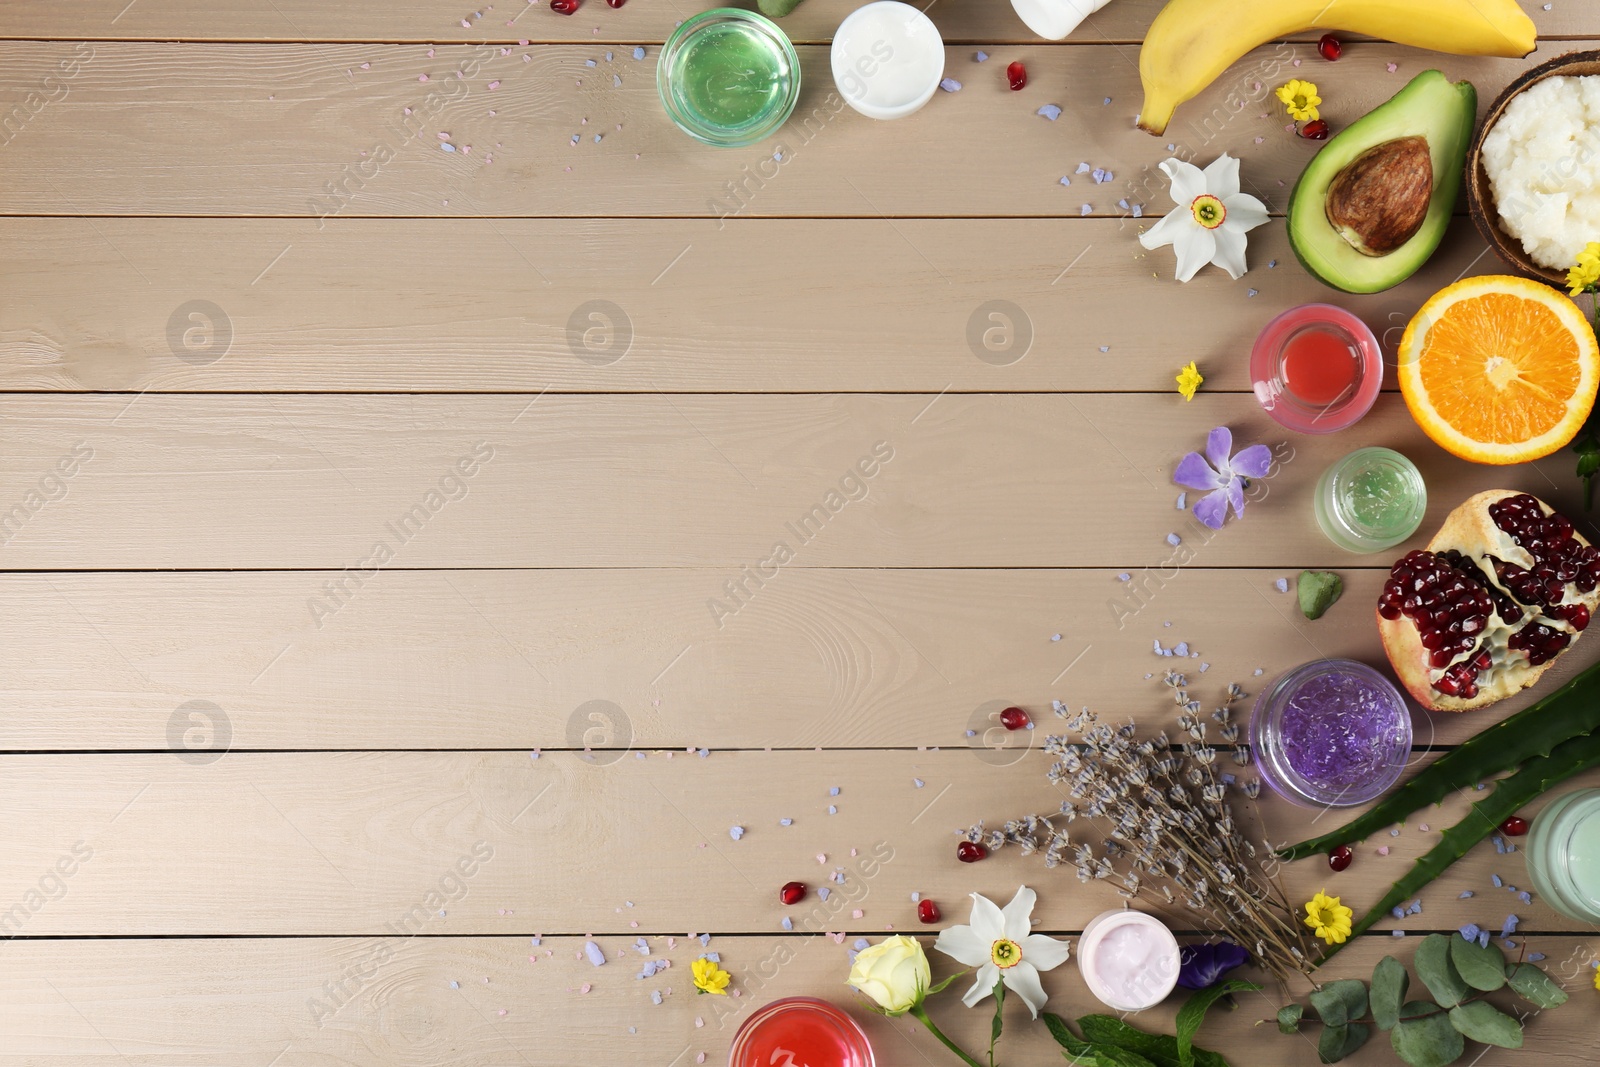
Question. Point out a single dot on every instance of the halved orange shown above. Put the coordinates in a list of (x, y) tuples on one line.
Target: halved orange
[(1499, 369)]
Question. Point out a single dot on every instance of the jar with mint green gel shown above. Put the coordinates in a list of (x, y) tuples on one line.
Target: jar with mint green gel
[(1563, 854)]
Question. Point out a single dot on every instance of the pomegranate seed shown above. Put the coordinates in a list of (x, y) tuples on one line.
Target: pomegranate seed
[(1330, 47), (792, 892), (970, 852), (616, 3), (1017, 75), (565, 7), (928, 911), (1340, 857), (1014, 719), (1311, 131), (1515, 826)]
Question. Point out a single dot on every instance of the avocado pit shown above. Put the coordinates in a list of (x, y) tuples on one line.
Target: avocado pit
[(1381, 199)]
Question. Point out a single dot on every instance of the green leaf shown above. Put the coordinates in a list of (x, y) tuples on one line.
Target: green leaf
[(1339, 1002), (999, 1005), (1193, 1013), (1107, 1056), (1389, 985), (1532, 984), (1480, 966), (939, 988), (1160, 1049), (1337, 1042), (1437, 972), (776, 9), (1060, 1031), (1317, 591), (1484, 1023), (1424, 1037), (1289, 1017)]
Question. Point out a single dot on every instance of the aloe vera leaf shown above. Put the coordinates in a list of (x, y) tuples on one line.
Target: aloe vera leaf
[(1535, 731), (1508, 795)]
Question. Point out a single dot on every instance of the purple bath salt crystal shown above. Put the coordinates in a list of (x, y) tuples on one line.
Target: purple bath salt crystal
[(1181, 649), (979, 57), (823, 893), (788, 923), (714, 957), (1471, 931), (647, 971), (1050, 111), (1499, 844), (1535, 957), (1183, 501), (1525, 896), (592, 950), (1495, 878), (1174, 540), (1483, 939), (655, 996), (1281, 585), (705, 939), (1398, 912), (642, 947), (1466, 894), (736, 832), (1509, 927), (861, 944), (950, 85)]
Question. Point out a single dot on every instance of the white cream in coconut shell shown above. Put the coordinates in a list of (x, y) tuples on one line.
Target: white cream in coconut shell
[(1469, 530)]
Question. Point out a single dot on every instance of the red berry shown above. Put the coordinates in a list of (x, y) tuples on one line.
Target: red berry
[(1014, 719), (616, 3), (1515, 826), (1017, 75), (565, 7), (970, 852), (792, 892), (1340, 857), (1330, 47), (1316, 130), (928, 911)]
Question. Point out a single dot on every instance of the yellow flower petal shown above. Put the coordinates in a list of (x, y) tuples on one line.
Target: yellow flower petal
[(1189, 379)]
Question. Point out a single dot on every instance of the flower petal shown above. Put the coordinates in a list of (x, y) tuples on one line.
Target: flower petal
[(1045, 953), (1236, 496), (1187, 181), (988, 974), (1245, 212), (1212, 508), (1194, 472), (1023, 980), (1017, 914), (1170, 227), (964, 945), (1252, 462), (1230, 247), (1195, 248), (1222, 177), (988, 922), (1219, 446)]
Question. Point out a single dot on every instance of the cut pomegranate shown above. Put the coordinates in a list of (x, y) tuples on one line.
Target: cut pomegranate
[(1340, 858), (1315, 130), (970, 852), (1503, 589), (1017, 75), (1014, 719), (792, 892), (1515, 826), (565, 7), (1330, 47), (928, 911)]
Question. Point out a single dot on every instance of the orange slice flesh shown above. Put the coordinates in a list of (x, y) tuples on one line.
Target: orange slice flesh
[(1499, 369)]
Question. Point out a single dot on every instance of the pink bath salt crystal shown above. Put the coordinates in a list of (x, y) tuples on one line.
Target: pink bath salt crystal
[(527, 59), (502, 1011), (430, 53), (852, 852), (700, 1058), (634, 923), (585, 987), (737, 993), (672, 942), (408, 111), (494, 85), (1296, 63), (1383, 850), (523, 42), (467, 26), (858, 913), (1391, 67), (533, 959), (366, 66), (822, 858), (698, 1022), (422, 77)]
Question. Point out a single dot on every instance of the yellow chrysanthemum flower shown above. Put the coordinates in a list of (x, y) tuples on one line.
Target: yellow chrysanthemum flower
[(1329, 919), (1301, 98), (709, 978), (1189, 379), (1597, 977), (1585, 273)]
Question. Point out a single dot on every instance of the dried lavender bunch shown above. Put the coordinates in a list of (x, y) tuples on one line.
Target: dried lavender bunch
[(1167, 826)]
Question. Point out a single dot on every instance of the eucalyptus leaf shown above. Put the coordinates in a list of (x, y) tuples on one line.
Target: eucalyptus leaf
[(1486, 1024), (1532, 984), (1337, 1042), (1480, 966), (1289, 1017), (776, 9), (1339, 1002), (1389, 985), (1424, 1037), (1433, 965)]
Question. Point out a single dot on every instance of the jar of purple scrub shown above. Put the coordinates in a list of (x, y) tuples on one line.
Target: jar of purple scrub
[(1331, 733)]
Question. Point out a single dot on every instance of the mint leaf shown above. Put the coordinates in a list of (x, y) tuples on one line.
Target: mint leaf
[(1193, 1013)]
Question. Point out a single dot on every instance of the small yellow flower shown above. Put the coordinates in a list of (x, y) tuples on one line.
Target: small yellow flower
[(709, 978), (1328, 918), (1597, 977), (1189, 380), (1585, 273), (1301, 98)]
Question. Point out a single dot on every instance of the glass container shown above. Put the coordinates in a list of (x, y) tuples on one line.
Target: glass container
[(1563, 854), (1371, 500), (800, 1031), (1316, 369), (728, 77)]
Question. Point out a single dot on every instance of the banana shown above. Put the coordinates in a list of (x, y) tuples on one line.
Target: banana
[(1191, 42)]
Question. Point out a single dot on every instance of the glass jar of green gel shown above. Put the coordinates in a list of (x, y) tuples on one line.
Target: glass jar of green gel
[(1563, 854), (728, 77), (1371, 500)]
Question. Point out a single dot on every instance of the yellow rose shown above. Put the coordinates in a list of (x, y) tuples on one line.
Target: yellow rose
[(894, 973)]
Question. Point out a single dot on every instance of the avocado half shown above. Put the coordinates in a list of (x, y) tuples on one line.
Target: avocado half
[(1431, 107)]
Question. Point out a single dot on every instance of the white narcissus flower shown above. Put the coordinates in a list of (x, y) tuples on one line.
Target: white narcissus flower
[(999, 945), (1211, 219)]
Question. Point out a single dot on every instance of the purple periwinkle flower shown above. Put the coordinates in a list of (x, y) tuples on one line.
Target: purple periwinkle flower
[(1223, 474), (1202, 966)]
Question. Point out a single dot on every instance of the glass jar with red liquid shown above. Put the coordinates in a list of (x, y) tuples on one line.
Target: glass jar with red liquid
[(1316, 369), (800, 1032)]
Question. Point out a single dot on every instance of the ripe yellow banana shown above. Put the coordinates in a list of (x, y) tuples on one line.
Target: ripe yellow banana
[(1191, 42)]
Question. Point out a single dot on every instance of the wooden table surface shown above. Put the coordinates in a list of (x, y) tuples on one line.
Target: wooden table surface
[(399, 476)]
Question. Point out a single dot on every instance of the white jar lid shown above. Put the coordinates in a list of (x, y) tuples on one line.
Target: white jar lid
[(888, 59)]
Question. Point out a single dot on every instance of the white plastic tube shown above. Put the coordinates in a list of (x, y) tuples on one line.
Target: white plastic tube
[(1054, 19)]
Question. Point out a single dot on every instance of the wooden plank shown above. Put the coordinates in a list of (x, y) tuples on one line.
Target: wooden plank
[(424, 22), (505, 305), (643, 481), (859, 659), (219, 129), (345, 843), (90, 1003)]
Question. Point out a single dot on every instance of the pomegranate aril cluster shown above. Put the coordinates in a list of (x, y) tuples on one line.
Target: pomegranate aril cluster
[(1449, 608)]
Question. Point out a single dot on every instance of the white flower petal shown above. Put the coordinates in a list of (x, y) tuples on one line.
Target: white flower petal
[(988, 922), (965, 946), (1195, 250), (1245, 212), (1018, 923), (1165, 232), (1045, 953), (988, 974), (1187, 181), (1229, 254), (1222, 177), (1023, 980)]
